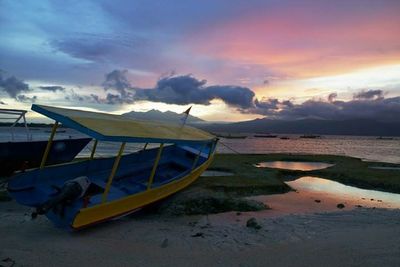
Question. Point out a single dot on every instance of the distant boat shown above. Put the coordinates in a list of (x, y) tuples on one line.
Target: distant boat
[(265, 135), (58, 131), (310, 136), (384, 138), (79, 194), (229, 136), (24, 154)]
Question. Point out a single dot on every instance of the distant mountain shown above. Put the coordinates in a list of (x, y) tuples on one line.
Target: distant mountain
[(156, 115), (310, 126)]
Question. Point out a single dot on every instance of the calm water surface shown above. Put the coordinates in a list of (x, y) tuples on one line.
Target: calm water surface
[(294, 165), (365, 147)]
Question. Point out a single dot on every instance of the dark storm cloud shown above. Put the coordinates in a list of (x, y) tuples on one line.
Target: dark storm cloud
[(180, 90), (53, 88), (332, 97), (24, 98), (117, 80), (13, 86), (81, 48), (76, 97), (372, 106), (369, 94)]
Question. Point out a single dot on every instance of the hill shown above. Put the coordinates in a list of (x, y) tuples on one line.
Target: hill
[(156, 115)]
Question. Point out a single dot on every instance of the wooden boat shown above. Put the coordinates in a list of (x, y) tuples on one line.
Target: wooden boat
[(17, 154), (384, 138), (230, 136), (79, 194), (310, 136), (265, 135)]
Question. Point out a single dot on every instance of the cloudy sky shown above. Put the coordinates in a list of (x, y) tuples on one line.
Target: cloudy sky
[(230, 59)]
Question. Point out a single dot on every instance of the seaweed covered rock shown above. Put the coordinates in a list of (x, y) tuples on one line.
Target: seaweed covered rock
[(252, 223), (193, 202)]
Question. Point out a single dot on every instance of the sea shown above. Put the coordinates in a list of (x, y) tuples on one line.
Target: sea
[(369, 148)]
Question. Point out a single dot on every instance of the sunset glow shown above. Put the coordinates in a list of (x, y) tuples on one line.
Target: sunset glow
[(286, 50)]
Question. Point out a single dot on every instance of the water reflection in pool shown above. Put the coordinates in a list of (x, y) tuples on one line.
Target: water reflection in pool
[(294, 165), (315, 194), (319, 185)]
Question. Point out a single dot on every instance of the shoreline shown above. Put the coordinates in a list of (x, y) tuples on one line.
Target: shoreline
[(153, 237), (362, 236)]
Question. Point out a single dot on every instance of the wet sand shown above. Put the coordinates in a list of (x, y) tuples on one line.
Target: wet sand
[(359, 237)]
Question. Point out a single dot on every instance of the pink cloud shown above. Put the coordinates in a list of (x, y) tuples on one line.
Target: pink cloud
[(305, 40)]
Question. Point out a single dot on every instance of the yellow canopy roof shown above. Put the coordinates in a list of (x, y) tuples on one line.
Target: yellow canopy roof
[(103, 126)]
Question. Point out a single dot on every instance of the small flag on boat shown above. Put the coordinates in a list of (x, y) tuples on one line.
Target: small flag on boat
[(184, 118)]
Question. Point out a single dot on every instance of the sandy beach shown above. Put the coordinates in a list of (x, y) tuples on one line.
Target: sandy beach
[(359, 237)]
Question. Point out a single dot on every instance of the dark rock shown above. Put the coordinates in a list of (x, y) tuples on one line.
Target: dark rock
[(199, 234), (252, 223), (4, 196), (164, 244), (192, 223), (238, 213), (317, 200), (7, 262), (340, 206), (372, 199), (358, 206)]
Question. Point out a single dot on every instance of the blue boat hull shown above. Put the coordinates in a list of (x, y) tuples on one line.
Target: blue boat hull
[(35, 187), (24, 155)]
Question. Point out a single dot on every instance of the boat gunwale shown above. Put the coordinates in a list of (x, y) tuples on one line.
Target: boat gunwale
[(185, 181)]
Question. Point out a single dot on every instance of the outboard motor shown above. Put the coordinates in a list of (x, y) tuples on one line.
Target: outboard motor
[(69, 192)]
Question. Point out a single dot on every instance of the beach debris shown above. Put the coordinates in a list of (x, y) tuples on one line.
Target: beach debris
[(164, 244), (207, 225), (340, 206), (317, 201), (198, 234), (7, 262), (4, 196), (252, 223), (192, 223)]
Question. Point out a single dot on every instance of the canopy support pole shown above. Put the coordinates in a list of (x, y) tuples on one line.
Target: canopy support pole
[(153, 171), (145, 146), (197, 157), (112, 174), (93, 149), (213, 145), (46, 152)]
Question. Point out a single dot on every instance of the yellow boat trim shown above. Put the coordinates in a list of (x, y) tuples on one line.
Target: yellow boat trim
[(197, 157), (48, 146), (153, 170), (93, 149), (104, 211), (113, 171)]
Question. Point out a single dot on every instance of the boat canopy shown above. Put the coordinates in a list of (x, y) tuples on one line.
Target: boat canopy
[(118, 128)]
